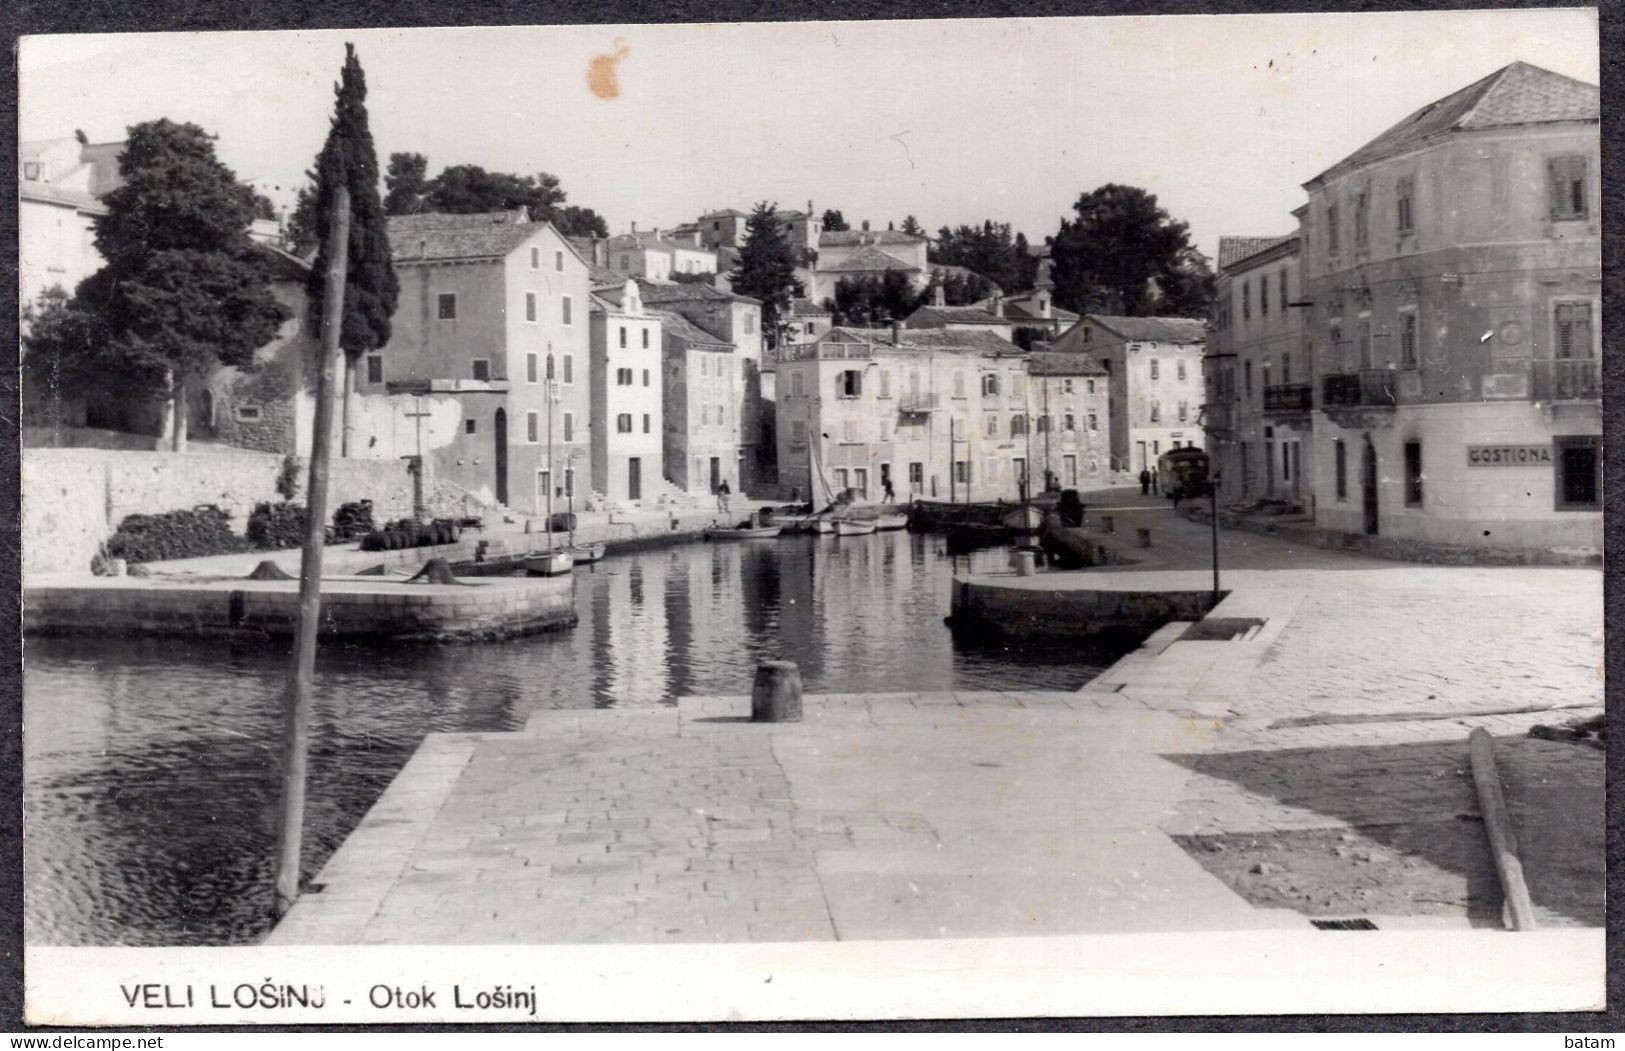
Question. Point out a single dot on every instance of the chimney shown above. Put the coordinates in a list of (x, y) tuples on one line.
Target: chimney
[(939, 297), (634, 226), (809, 208), (866, 226), (600, 253), (896, 332), (998, 304), (890, 225)]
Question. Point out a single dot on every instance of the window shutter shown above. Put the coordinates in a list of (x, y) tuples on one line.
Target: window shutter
[(1555, 181)]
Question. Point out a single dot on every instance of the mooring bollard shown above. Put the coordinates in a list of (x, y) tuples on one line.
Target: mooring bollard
[(1145, 537), (1108, 523), (1023, 562), (776, 695)]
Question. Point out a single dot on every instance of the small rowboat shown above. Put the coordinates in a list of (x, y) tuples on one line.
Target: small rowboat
[(737, 533), (584, 554), (820, 525), (852, 527), (885, 523), (549, 563)]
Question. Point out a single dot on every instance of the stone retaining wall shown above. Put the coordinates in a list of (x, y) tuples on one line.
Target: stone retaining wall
[(1072, 612)]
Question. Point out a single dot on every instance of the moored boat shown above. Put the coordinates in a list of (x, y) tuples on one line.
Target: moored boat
[(549, 563), (585, 554), (854, 527), (886, 523), (742, 532)]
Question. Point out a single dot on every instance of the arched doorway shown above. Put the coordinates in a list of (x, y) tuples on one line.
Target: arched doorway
[(500, 430), (1368, 486)]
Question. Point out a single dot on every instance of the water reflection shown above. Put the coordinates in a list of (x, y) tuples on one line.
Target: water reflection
[(151, 766)]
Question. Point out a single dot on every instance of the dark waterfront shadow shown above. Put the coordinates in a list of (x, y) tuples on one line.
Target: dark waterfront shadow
[(1418, 800)]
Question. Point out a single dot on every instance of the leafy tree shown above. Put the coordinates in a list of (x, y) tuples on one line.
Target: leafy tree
[(63, 359), (693, 279), (960, 289), (370, 287), (465, 188), (766, 270), (988, 249), (299, 235), (868, 301), (405, 183), (833, 220), (182, 291), (263, 208), (1124, 254), (576, 221), (912, 225)]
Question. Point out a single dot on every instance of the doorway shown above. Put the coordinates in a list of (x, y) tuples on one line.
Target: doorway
[(716, 472), (634, 478), (1368, 486), (544, 492), (500, 430), (860, 482)]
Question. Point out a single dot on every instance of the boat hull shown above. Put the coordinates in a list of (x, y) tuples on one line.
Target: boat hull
[(551, 564), (854, 528), (886, 523), (585, 554), (756, 533)]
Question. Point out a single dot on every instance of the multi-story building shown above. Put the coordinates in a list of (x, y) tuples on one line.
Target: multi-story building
[(486, 373), (59, 198), (1036, 310), (940, 414), (988, 317), (650, 256), (701, 401), (1259, 389), (628, 423), (862, 253), (808, 321), (1156, 388), (1454, 265), (1071, 443)]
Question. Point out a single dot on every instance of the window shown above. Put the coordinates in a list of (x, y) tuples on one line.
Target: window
[(849, 383), (1156, 410), (375, 368), (550, 366), (750, 324), (31, 170), (1579, 472), (1066, 386), (248, 412), (1263, 296), (1567, 179), (1246, 301), (885, 383), (916, 476), (533, 427), (1184, 411), (1155, 372), (1045, 423), (1362, 219), (623, 377), (482, 369), (568, 361), (566, 307), (797, 385), (645, 377), (569, 424), (470, 426), (959, 384), (1284, 302), (1018, 425), (1181, 369), (535, 258), (1362, 341), (530, 368), (705, 365), (1573, 330), (798, 431), (558, 261), (992, 425), (646, 339), (1069, 422), (1247, 377), (1404, 206), (809, 328), (962, 472), (1331, 229), (645, 423), (623, 423), (530, 306), (1286, 366), (448, 305), (1413, 474), (623, 336), (990, 384), (1407, 339), (849, 430), (1094, 422), (1091, 386)]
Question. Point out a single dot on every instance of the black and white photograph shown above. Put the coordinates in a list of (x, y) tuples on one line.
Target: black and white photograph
[(826, 520)]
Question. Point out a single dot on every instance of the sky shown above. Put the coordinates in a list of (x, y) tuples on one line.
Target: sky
[(953, 121)]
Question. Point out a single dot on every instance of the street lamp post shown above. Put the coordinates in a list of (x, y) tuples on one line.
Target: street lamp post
[(1213, 514)]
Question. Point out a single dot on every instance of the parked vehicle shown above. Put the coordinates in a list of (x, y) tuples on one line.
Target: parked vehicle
[(1182, 473)]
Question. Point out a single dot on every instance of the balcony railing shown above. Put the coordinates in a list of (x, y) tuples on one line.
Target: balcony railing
[(1567, 379), (1368, 387), (1282, 398), (915, 402)]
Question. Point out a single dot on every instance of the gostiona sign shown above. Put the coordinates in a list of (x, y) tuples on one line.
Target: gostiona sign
[(1509, 456)]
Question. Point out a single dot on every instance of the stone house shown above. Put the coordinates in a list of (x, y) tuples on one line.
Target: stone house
[(627, 377), (700, 403), (1072, 419)]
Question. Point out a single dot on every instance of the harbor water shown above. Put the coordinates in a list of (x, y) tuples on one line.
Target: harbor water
[(151, 766)]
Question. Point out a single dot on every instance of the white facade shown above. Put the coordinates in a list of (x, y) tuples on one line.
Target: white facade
[(627, 382)]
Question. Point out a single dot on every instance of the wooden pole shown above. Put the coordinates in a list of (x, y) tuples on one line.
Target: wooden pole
[(290, 832), (1498, 824)]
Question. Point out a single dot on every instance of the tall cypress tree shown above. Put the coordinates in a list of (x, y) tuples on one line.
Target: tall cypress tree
[(767, 268), (371, 288)]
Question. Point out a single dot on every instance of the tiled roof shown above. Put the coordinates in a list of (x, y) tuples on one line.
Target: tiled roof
[(1017, 310), (837, 238), (806, 307), (598, 277), (1234, 249), (933, 339), (1153, 329), (488, 235), (1516, 94), (52, 194), (1062, 363), (726, 213), (679, 326), (959, 315), (654, 292), (867, 259), (649, 239)]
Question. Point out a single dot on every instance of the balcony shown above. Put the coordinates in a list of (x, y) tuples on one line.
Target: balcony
[(1286, 399), (1366, 388), (917, 403), (1567, 379)]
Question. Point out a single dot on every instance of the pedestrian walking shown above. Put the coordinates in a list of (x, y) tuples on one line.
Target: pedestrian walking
[(887, 495), (722, 496), (1145, 482), (1154, 483)]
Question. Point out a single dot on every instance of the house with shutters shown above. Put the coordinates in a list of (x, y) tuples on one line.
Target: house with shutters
[(701, 405), (1453, 278), (627, 379)]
